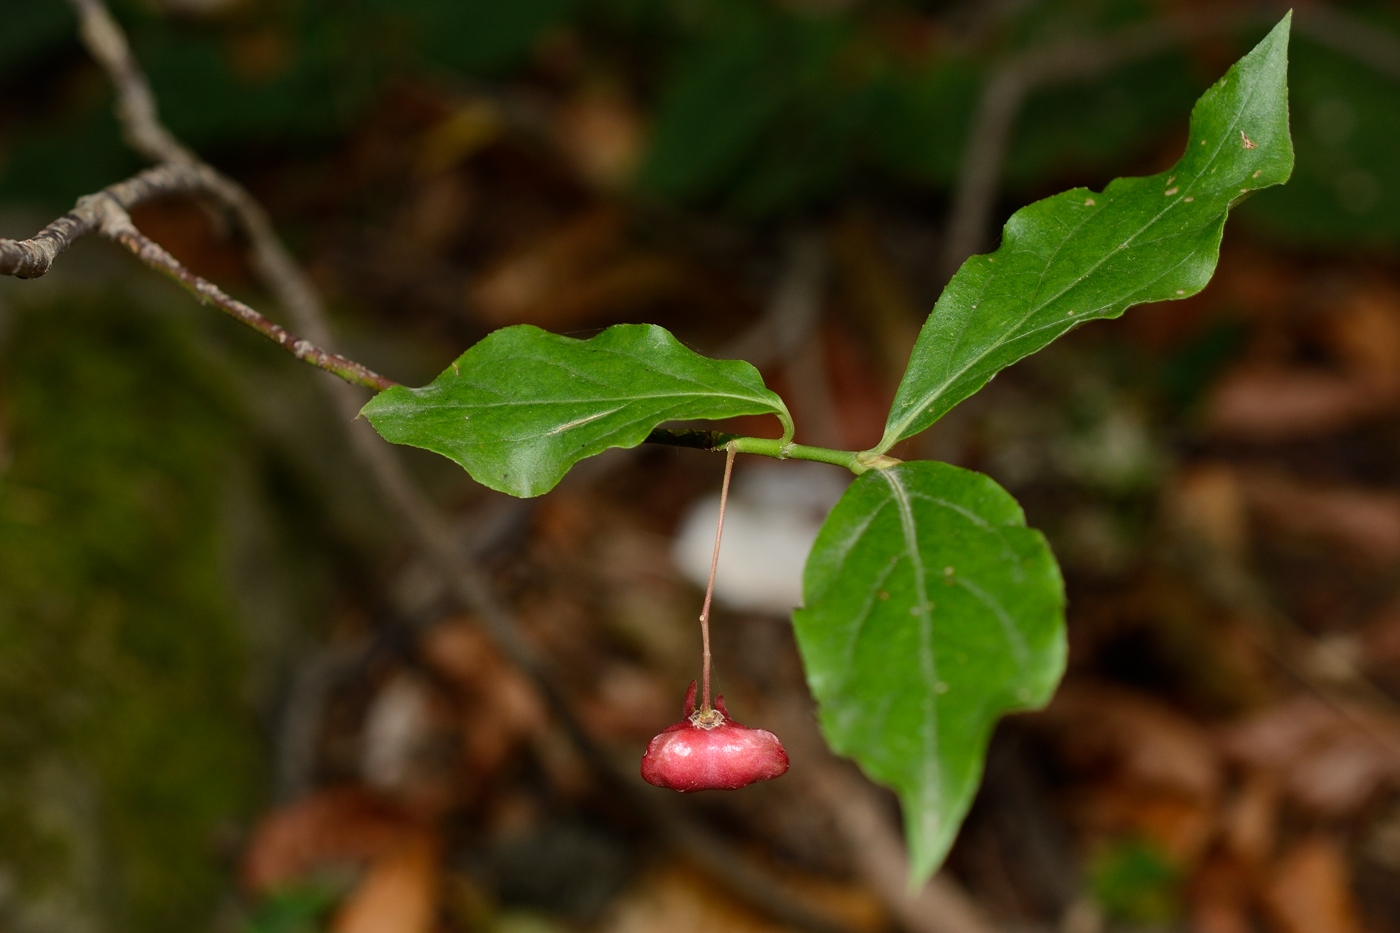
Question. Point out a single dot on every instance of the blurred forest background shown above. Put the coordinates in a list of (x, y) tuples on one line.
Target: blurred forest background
[(234, 697)]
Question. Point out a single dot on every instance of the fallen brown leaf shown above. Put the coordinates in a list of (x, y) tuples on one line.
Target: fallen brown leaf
[(1380, 639), (601, 132), (1257, 282), (1180, 826), (580, 273), (858, 399), (1363, 521), (1269, 403), (1364, 333), (856, 906), (630, 703), (471, 127), (1152, 771), (1219, 897), (346, 824), (679, 899), (1250, 820), (1208, 502), (519, 286), (399, 893), (1330, 762), (1138, 738), (1310, 890), (182, 227), (430, 217), (1275, 400), (500, 710)]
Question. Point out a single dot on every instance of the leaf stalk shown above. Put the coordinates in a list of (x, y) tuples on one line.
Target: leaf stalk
[(857, 462)]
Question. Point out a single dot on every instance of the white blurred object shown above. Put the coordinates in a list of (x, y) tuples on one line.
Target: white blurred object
[(773, 516), (397, 731)]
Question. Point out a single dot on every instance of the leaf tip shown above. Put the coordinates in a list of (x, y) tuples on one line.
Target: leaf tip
[(928, 847), (1273, 46)]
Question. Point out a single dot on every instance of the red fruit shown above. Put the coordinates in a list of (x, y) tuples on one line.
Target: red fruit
[(712, 752)]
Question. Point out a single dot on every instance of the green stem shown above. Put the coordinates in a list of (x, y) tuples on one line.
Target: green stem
[(857, 462)]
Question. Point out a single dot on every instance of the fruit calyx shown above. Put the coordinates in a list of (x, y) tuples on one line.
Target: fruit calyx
[(708, 718)]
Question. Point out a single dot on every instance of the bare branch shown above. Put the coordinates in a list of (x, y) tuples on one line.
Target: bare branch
[(31, 258), (136, 105), (116, 225), (105, 213), (140, 122)]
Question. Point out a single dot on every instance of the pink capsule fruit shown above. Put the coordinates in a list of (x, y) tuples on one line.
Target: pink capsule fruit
[(712, 752)]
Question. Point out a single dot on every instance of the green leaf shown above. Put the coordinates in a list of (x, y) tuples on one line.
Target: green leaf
[(930, 610), (1082, 255), (523, 405)]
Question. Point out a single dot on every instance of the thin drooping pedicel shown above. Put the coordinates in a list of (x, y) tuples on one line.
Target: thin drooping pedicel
[(707, 749)]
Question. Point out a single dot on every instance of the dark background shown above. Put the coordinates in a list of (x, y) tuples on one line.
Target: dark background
[(210, 622)]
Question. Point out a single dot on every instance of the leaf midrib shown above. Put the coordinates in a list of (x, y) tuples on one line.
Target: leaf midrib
[(600, 399), (931, 785)]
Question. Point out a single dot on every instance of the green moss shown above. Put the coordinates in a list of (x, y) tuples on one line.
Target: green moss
[(127, 745)]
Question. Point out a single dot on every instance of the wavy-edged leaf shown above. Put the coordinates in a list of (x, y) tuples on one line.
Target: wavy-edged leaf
[(524, 405), (930, 610), (1081, 255)]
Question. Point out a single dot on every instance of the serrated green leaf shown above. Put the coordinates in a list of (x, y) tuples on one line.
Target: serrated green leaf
[(930, 609), (1082, 255), (524, 405)]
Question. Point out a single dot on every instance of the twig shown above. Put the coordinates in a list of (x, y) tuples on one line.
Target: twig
[(105, 213), (941, 906), (31, 258), (980, 171), (117, 226), (788, 332), (140, 125), (105, 41)]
